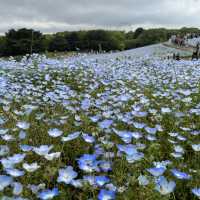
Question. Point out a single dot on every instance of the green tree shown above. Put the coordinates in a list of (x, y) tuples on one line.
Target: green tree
[(138, 32), (2, 45), (107, 40), (75, 40), (58, 43), (152, 36), (23, 41)]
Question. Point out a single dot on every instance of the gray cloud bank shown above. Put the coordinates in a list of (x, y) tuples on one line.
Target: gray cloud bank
[(60, 15)]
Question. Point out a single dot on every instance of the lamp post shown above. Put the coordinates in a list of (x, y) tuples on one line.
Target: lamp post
[(31, 49)]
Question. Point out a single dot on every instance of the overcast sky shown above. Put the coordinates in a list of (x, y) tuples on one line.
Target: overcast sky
[(59, 15)]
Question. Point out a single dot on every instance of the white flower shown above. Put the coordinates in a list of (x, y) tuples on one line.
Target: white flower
[(143, 180), (23, 125), (4, 149), (3, 131), (165, 110), (55, 132), (163, 186), (43, 149), (66, 175), (31, 167), (52, 156), (196, 147)]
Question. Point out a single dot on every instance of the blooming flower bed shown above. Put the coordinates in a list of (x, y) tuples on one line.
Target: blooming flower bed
[(100, 128)]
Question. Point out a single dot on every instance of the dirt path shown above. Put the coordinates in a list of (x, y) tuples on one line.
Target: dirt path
[(188, 49)]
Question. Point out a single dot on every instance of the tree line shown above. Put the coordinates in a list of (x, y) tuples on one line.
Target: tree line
[(26, 41)]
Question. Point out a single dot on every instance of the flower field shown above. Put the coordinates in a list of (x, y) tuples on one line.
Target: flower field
[(122, 126)]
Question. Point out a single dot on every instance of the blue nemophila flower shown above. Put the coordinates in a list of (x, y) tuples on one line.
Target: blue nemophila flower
[(179, 149), (16, 158), (23, 125), (3, 131), (111, 187), (4, 150), (71, 137), (95, 118), (88, 138), (77, 118), (12, 160), (98, 150), (195, 133), (55, 132), (89, 179), (164, 163), (8, 137), (106, 195), (185, 92), (139, 113), (105, 166), (185, 128), (156, 171), (132, 154), (181, 138), (139, 125), (196, 147), (19, 113), (124, 97), (143, 180), (196, 191), (172, 141), (66, 175), (101, 180), (151, 137), (163, 186), (140, 146), (85, 104), (35, 188), (128, 149), (5, 181), (126, 136), (7, 163), (88, 163), (26, 148), (42, 150), (22, 135), (166, 110), (134, 157), (2, 121), (136, 135), (177, 155), (105, 124), (77, 183), (150, 130), (48, 194), (29, 109), (173, 134), (15, 172), (17, 188), (180, 175), (47, 77)]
